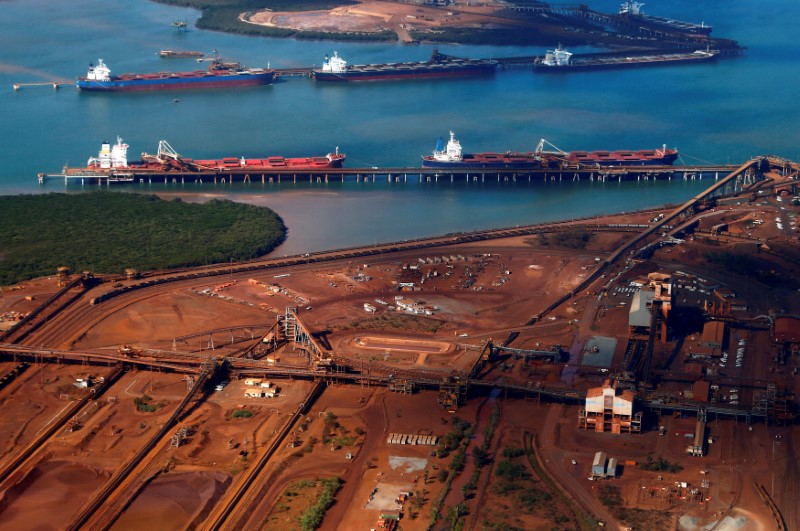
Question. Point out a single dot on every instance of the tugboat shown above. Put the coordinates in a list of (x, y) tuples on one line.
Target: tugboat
[(452, 156), (179, 53)]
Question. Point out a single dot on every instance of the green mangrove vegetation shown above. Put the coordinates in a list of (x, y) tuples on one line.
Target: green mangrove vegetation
[(107, 232)]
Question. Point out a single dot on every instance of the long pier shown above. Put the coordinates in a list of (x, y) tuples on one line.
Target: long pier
[(55, 84), (395, 174)]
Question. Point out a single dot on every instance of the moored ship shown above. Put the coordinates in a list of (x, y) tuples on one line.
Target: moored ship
[(218, 75), (335, 68), (452, 156), (112, 164), (561, 60)]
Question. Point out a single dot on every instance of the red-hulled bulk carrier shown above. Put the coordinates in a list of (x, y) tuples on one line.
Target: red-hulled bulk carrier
[(112, 165)]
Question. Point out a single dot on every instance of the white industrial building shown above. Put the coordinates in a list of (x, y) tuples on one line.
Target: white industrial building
[(608, 410)]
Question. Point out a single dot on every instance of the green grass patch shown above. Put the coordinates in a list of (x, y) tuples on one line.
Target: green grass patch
[(241, 414), (144, 404), (312, 518), (660, 465), (576, 517), (107, 232), (572, 239)]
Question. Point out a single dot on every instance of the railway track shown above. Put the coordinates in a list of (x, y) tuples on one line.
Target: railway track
[(30, 453), (112, 509), (50, 308), (88, 515), (228, 513), (790, 488)]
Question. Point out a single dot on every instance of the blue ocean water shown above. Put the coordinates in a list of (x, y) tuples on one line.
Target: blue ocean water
[(725, 112)]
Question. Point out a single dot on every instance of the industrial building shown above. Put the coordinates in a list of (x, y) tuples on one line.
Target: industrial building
[(698, 447), (599, 465), (786, 330), (611, 469), (639, 315), (651, 307), (608, 410), (713, 335)]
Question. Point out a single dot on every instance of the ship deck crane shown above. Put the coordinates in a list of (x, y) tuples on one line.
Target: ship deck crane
[(543, 143), (168, 157)]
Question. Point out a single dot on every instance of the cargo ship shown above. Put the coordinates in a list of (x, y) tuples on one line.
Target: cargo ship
[(631, 12), (663, 156), (561, 60), (439, 66), (451, 156), (112, 165), (175, 53), (218, 75)]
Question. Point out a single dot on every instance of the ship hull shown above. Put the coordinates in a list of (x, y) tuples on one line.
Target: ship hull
[(424, 71), (619, 158), (269, 164), (176, 82)]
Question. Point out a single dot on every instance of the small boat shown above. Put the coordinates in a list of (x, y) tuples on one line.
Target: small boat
[(174, 53)]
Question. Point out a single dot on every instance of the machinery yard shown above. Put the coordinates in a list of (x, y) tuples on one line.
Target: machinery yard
[(626, 370)]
